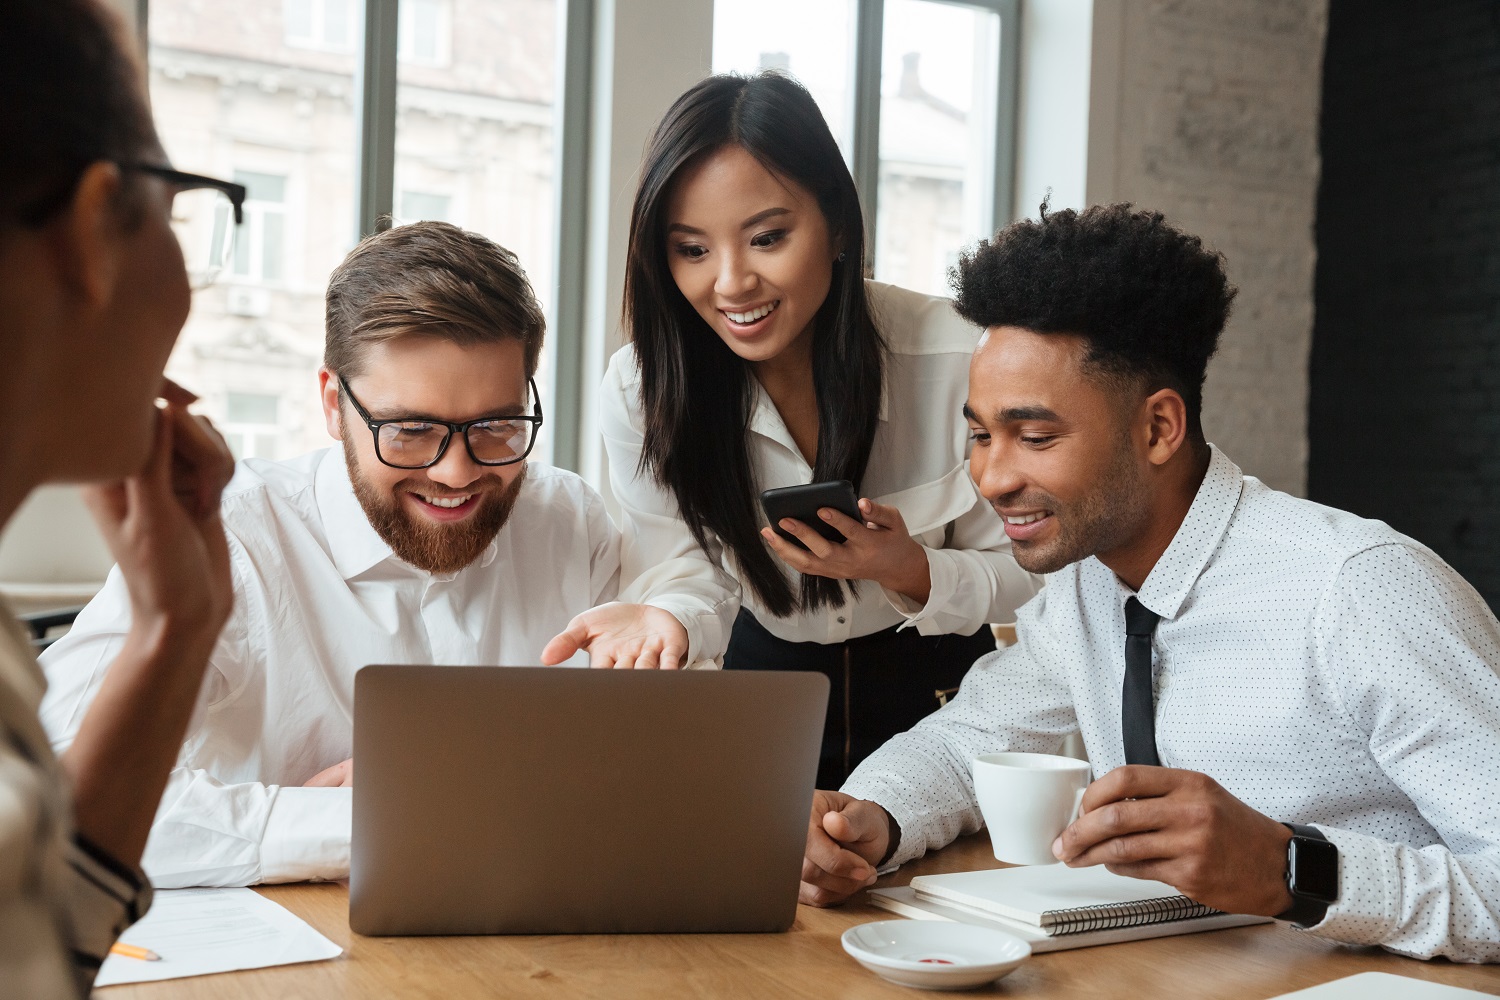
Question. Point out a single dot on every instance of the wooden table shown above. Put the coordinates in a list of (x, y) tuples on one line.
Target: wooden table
[(808, 962)]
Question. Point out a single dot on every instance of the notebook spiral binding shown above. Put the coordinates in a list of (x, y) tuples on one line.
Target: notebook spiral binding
[(1111, 916)]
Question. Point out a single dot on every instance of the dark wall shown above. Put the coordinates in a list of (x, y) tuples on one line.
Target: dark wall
[(1404, 415)]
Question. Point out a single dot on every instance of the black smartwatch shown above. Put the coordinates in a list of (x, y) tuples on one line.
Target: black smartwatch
[(1312, 875)]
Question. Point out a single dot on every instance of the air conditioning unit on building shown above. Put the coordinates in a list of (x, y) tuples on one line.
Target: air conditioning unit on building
[(248, 301)]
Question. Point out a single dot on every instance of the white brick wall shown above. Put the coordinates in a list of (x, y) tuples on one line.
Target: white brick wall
[(1207, 110)]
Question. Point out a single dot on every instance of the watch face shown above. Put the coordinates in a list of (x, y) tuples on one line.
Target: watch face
[(1315, 869)]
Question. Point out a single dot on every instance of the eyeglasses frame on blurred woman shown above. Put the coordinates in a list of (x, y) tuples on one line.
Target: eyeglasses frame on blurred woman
[(44, 208), (181, 181), (461, 429)]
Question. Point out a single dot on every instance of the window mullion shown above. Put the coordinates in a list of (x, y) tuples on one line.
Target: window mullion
[(1006, 102), (575, 48), (375, 87), (869, 29)]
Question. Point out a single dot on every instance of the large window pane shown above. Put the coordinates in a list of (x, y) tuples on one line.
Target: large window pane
[(476, 84), (939, 84), (262, 91), (811, 41)]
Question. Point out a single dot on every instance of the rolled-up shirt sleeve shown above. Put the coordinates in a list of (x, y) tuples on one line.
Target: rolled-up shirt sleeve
[(308, 833), (975, 578), (1411, 651), (206, 832), (661, 564), (1009, 700), (209, 833)]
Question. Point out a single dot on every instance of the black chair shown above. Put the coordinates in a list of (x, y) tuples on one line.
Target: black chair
[(42, 622)]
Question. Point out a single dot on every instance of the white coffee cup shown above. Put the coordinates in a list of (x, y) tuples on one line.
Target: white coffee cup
[(1027, 800)]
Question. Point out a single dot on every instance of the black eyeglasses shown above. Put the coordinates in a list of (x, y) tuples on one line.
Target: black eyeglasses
[(421, 442), (183, 181), (43, 208), (201, 211)]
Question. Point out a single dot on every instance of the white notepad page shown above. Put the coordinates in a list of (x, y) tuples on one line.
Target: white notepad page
[(200, 931), (1027, 893), (903, 900)]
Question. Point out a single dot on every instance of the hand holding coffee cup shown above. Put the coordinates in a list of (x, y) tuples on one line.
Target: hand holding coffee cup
[(1028, 799)]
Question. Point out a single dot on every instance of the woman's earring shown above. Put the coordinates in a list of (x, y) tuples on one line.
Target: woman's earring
[(840, 258)]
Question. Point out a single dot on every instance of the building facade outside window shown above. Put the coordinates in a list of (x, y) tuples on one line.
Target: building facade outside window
[(474, 132), (425, 32), (265, 92), (320, 24), (939, 80), (251, 424), (939, 87), (412, 206), (260, 244), (811, 42)]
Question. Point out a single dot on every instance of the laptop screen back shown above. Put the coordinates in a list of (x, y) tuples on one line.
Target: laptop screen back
[(534, 800)]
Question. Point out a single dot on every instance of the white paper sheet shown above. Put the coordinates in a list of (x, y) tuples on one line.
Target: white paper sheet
[(1382, 986), (200, 931)]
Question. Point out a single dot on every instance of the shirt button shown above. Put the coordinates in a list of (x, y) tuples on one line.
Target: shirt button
[(841, 619)]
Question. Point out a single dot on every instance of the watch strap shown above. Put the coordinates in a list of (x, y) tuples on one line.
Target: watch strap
[(1305, 911)]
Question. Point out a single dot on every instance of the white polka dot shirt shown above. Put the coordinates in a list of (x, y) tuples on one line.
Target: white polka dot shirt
[(1321, 667)]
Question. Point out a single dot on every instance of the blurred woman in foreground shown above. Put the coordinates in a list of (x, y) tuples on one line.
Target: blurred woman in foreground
[(93, 292)]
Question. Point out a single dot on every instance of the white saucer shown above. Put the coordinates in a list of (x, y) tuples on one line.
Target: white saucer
[(935, 954)]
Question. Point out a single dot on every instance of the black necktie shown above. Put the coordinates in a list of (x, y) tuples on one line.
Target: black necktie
[(1138, 706)]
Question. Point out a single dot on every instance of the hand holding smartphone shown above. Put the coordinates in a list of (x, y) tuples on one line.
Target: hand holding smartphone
[(802, 503)]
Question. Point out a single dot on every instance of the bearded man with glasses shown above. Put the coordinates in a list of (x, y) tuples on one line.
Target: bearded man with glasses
[(427, 538)]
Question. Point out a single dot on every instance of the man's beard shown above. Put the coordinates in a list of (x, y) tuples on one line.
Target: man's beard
[(436, 548), (1097, 522)]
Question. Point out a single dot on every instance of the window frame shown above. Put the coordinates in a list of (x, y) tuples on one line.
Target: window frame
[(319, 42), (869, 51), (403, 192), (252, 236), (580, 23), (442, 54), (252, 432)]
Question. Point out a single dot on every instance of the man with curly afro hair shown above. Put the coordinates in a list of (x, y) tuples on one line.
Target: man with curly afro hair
[(1291, 711)]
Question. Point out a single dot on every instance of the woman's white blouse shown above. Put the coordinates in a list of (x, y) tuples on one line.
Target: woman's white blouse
[(918, 464)]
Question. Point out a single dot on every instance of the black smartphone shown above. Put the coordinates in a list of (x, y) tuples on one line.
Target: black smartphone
[(802, 503)]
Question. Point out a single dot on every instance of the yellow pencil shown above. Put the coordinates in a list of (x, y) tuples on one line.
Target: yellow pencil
[(132, 951)]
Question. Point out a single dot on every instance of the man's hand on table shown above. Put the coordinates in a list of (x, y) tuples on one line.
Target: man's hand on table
[(1182, 828), (846, 839)]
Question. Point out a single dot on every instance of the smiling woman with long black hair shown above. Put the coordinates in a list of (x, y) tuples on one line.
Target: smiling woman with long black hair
[(760, 357)]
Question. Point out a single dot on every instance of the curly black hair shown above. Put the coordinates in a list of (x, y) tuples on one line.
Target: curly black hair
[(1149, 299)]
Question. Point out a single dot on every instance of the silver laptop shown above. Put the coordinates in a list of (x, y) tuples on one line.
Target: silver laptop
[(547, 800)]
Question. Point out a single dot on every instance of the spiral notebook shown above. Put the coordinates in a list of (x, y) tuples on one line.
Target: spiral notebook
[(1055, 907)]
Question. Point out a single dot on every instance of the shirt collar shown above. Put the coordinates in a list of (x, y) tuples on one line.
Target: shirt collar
[(767, 422), (352, 542), (1167, 586)]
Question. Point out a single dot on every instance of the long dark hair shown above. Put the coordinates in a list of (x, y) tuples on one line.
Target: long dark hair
[(695, 392)]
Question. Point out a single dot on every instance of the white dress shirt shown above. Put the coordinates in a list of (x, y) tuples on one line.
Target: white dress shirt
[(918, 464), (318, 595), (1323, 668), (62, 902)]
